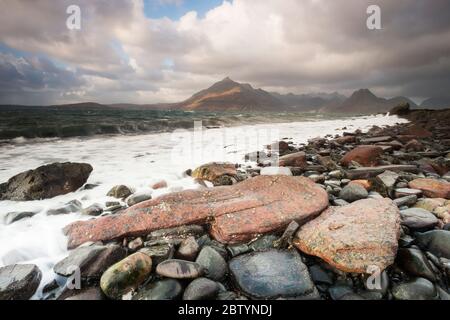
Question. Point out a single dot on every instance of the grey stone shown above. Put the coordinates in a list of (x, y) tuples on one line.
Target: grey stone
[(201, 289), (417, 218), (353, 192), (166, 289), (93, 210), (188, 249), (70, 207), (12, 217), (119, 192), (414, 262), (416, 289), (19, 282), (179, 269), (436, 241), (213, 263), (138, 198), (273, 274)]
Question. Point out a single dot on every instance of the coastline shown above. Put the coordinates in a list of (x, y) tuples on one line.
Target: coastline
[(399, 148)]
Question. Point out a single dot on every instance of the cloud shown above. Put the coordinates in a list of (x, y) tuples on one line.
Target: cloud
[(299, 46)]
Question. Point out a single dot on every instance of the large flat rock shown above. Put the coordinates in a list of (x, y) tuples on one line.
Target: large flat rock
[(236, 213), (355, 237)]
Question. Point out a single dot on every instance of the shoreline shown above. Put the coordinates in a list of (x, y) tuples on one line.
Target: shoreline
[(320, 161)]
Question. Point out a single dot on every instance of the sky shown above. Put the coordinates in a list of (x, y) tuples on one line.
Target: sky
[(151, 51)]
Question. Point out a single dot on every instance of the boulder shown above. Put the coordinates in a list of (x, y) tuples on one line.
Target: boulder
[(92, 261), (236, 213), (297, 159), (46, 182), (400, 110), (19, 281), (354, 238), (367, 156), (432, 188), (215, 172), (273, 274), (126, 275)]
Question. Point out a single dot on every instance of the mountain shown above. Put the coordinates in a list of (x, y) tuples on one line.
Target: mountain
[(228, 95), (363, 101), (309, 102), (436, 103)]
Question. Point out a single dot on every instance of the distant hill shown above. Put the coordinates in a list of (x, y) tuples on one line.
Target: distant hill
[(228, 95), (309, 102), (436, 103), (364, 101)]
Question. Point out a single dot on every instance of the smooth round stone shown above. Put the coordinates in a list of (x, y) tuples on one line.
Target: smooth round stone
[(353, 192), (188, 249), (213, 263), (416, 218), (126, 275), (273, 274), (437, 242), (414, 262), (201, 289), (167, 289), (138, 198), (336, 292), (319, 275), (417, 289), (179, 269), (227, 295)]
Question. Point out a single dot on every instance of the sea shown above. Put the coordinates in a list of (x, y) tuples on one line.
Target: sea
[(136, 148)]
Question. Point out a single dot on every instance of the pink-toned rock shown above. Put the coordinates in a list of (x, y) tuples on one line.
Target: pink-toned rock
[(414, 145), (297, 159), (160, 185), (213, 171), (355, 237), (236, 213), (432, 188), (417, 131), (345, 139), (367, 156)]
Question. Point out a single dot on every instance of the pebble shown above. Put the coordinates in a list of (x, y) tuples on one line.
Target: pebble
[(201, 289), (179, 269), (166, 289), (188, 249), (415, 263), (353, 192), (213, 263), (416, 218), (416, 289)]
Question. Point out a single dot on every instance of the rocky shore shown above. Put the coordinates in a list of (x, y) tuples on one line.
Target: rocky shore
[(362, 216)]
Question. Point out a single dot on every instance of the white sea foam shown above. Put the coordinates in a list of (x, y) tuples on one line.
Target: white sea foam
[(136, 161)]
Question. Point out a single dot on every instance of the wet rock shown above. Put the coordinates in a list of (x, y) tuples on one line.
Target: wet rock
[(179, 269), (274, 171), (70, 207), (159, 253), (19, 281), (88, 294), (213, 264), (93, 210), (126, 275), (338, 291), (182, 232), (273, 274), (415, 218), (414, 262), (188, 249), (237, 213), (263, 243), (406, 201), (226, 296), (297, 159), (367, 156), (432, 188), (138, 198), (287, 237), (404, 192), (92, 261), (12, 217), (215, 172), (160, 185), (355, 237), (136, 244), (416, 289), (437, 242), (201, 289), (353, 192), (46, 182), (238, 249), (320, 276), (166, 289), (119, 192)]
